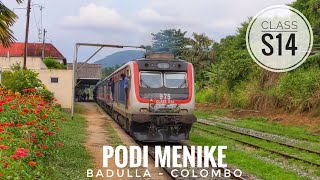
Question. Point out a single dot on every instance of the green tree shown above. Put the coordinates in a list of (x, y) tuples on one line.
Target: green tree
[(169, 40), (109, 70), (311, 9), (7, 19), (200, 52)]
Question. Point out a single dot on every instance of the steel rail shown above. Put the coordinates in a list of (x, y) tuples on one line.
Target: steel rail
[(260, 147)]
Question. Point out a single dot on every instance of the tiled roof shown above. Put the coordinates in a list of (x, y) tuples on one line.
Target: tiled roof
[(34, 50)]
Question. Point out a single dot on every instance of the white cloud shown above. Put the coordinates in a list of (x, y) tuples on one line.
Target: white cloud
[(97, 18)]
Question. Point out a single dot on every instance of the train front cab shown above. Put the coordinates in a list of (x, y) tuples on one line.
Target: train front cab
[(162, 100)]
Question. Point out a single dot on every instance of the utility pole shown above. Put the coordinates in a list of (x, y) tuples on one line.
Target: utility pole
[(26, 37), (40, 29), (43, 43)]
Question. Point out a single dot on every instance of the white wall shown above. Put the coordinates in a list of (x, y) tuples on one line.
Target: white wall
[(32, 62), (63, 89)]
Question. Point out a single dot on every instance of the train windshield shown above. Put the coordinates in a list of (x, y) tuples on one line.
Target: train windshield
[(175, 80), (150, 79)]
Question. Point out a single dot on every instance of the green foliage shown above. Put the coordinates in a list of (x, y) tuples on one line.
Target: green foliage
[(311, 9), (200, 53), (242, 93), (17, 80), (109, 70), (169, 40), (205, 95), (53, 64), (48, 95), (8, 18), (298, 89)]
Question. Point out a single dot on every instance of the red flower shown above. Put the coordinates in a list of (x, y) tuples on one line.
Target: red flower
[(32, 163), (49, 133), (21, 152), (14, 157), (6, 165), (19, 125), (44, 116), (4, 147), (1, 109), (38, 153)]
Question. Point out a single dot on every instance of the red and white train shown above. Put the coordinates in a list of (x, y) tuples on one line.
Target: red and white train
[(152, 98)]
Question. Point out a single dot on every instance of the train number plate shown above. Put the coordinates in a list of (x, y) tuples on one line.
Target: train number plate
[(168, 106)]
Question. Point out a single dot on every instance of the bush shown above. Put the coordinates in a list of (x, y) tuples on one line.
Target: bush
[(29, 135), (204, 96), (296, 88), (53, 64), (47, 95), (20, 79)]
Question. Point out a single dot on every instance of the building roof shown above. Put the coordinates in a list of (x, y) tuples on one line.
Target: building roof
[(34, 50)]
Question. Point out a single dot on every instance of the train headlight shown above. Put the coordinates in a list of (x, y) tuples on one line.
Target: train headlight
[(184, 111), (144, 110)]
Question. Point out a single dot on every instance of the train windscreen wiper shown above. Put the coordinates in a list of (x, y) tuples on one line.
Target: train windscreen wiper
[(184, 82), (146, 84)]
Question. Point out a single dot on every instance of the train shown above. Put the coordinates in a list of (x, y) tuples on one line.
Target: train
[(151, 98)]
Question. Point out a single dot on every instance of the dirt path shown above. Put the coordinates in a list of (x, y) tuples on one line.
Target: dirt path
[(98, 137)]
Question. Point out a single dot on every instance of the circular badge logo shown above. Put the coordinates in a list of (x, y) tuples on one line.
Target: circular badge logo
[(279, 38)]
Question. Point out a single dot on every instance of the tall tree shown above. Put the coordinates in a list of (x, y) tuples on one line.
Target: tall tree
[(200, 50), (7, 19), (200, 53), (169, 40)]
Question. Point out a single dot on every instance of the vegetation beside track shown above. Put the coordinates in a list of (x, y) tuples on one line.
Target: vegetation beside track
[(245, 160), (73, 160), (259, 162), (261, 124), (113, 137)]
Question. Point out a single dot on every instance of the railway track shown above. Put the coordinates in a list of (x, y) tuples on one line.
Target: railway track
[(195, 169), (262, 138), (257, 146)]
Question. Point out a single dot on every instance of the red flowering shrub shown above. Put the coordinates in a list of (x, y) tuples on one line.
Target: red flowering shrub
[(29, 128)]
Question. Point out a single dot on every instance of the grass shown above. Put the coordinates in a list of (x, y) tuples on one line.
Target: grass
[(113, 137), (204, 114), (73, 160), (244, 160), (265, 144), (79, 109), (261, 124)]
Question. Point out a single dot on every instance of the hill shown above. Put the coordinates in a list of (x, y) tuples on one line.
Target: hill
[(120, 58)]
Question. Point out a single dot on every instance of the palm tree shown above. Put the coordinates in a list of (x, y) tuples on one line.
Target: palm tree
[(7, 19), (200, 50)]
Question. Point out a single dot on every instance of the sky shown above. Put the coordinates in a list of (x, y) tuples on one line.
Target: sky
[(129, 22)]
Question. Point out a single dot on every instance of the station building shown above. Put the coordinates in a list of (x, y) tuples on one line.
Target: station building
[(58, 81)]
